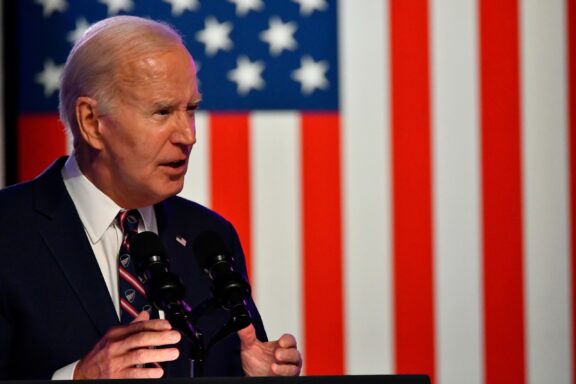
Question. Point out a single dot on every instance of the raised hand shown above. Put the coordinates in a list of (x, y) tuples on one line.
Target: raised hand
[(124, 350), (272, 358)]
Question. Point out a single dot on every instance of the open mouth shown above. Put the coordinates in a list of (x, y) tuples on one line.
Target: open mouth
[(175, 164)]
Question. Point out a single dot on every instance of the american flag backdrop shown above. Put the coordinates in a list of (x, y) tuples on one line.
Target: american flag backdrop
[(401, 172)]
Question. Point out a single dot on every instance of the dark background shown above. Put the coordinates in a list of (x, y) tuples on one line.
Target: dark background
[(10, 89)]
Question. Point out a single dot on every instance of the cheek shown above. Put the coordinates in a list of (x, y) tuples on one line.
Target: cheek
[(157, 148), (136, 147), (141, 151), (146, 159)]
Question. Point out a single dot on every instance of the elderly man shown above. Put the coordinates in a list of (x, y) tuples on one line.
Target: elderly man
[(128, 95)]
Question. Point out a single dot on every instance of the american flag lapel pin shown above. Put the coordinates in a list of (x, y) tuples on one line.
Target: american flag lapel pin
[(182, 241)]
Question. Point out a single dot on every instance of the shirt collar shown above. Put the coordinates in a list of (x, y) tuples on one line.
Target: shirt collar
[(97, 211)]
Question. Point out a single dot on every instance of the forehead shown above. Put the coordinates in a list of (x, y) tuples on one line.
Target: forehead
[(165, 74)]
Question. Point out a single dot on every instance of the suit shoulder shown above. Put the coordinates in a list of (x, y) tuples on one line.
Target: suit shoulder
[(17, 220), (188, 209), (14, 196), (22, 195), (15, 190)]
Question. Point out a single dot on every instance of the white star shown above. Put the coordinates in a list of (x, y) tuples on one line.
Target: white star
[(52, 5), (81, 27), (215, 36), (311, 74), (280, 36), (115, 6), (245, 6), (179, 6), (49, 78), (309, 6), (247, 75)]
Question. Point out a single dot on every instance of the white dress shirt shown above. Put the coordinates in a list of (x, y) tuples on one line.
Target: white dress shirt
[(98, 215)]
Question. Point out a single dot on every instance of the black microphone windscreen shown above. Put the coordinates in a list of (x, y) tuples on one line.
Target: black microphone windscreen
[(146, 244), (207, 245)]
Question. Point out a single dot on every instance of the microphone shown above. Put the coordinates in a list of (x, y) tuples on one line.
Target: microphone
[(230, 288), (165, 289)]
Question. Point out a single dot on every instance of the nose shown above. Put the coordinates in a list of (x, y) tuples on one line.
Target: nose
[(185, 130)]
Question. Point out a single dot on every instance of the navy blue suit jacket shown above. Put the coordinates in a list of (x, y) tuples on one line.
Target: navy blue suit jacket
[(54, 303)]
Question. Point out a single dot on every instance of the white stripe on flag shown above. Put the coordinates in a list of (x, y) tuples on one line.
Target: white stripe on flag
[(364, 95), (456, 172), (546, 236), (197, 182), (276, 218)]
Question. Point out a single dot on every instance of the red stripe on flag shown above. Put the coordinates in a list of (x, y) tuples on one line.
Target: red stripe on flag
[(571, 48), (412, 196), (502, 194), (230, 173), (322, 253), (41, 139)]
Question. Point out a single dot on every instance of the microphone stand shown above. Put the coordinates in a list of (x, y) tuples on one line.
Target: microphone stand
[(239, 319), (179, 316), (166, 293), (182, 319)]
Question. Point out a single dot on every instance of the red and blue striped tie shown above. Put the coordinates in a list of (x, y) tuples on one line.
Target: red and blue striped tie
[(132, 294)]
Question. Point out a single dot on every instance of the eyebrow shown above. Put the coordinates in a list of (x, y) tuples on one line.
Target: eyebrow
[(197, 100), (166, 103)]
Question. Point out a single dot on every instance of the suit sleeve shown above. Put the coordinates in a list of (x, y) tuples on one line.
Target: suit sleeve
[(240, 261), (6, 336)]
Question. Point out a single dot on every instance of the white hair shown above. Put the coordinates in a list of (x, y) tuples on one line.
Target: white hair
[(93, 62)]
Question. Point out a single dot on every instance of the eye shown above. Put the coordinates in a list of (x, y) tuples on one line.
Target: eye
[(162, 111)]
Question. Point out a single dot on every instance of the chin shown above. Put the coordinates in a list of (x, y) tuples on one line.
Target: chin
[(162, 189), (172, 190)]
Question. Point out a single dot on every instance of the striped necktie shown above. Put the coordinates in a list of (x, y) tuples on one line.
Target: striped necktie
[(132, 294)]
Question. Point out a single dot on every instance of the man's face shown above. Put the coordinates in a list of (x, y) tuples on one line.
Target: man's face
[(149, 132)]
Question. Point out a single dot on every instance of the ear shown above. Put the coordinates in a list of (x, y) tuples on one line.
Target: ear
[(88, 121)]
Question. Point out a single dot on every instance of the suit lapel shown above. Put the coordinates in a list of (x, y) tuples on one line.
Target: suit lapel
[(174, 242), (177, 243), (64, 235)]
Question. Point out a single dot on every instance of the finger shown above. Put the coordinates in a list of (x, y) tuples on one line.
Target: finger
[(285, 369), (151, 339), (288, 356), (287, 341), (143, 356), (124, 331), (149, 325), (247, 336), (142, 316), (143, 373)]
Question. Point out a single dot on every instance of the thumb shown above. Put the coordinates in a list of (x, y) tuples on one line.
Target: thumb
[(247, 336), (142, 316)]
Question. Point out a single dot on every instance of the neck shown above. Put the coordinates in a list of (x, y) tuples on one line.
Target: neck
[(89, 164)]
